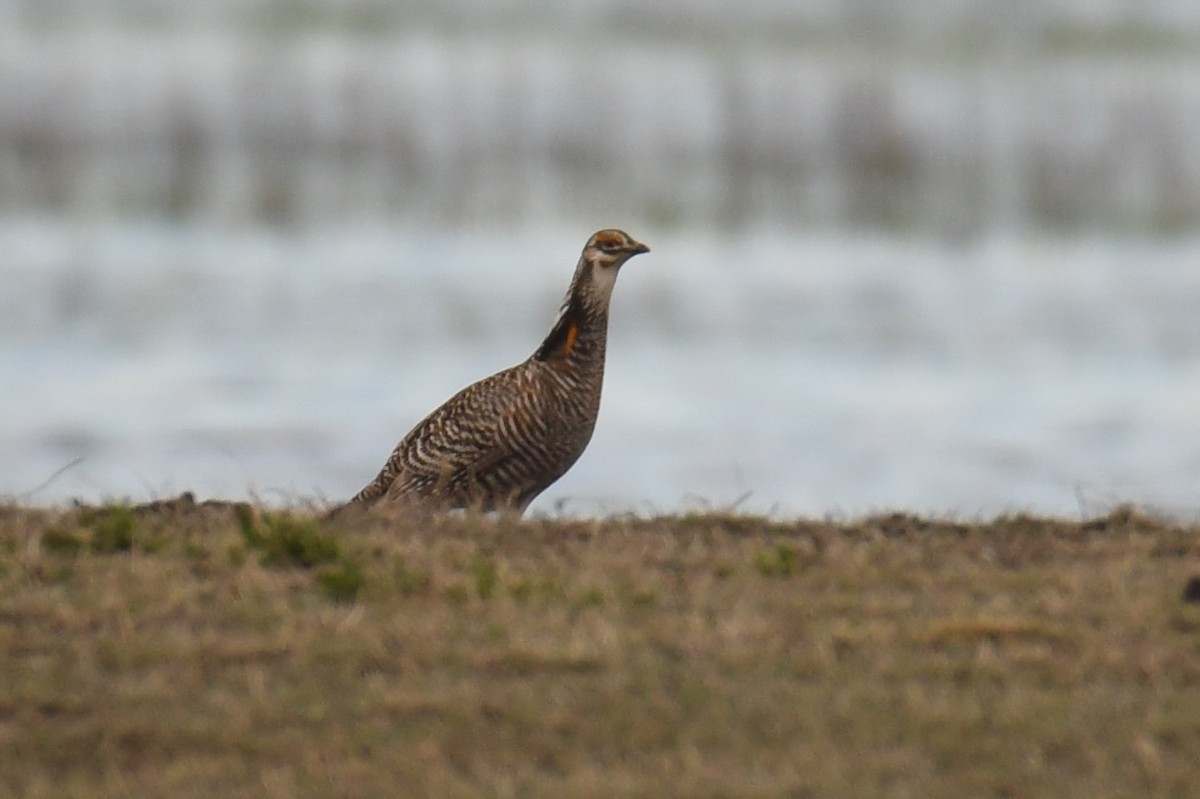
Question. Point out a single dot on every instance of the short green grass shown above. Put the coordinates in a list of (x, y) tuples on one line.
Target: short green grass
[(195, 650)]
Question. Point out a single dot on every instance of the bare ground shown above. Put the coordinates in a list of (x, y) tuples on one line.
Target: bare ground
[(196, 650)]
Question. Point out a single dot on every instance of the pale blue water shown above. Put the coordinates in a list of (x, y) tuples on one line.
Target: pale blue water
[(794, 374), (925, 256)]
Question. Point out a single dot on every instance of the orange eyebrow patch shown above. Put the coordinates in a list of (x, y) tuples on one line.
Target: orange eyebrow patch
[(572, 334)]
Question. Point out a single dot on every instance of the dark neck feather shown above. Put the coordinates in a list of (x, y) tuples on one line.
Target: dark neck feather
[(580, 327), (559, 343)]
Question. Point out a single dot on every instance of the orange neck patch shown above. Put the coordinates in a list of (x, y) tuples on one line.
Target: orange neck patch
[(563, 337), (572, 334)]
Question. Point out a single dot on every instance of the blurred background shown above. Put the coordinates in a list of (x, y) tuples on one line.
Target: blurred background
[(928, 255)]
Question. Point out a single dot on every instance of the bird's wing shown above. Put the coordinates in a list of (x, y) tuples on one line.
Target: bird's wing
[(462, 439)]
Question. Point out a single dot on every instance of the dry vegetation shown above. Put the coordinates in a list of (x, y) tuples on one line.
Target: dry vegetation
[(192, 650)]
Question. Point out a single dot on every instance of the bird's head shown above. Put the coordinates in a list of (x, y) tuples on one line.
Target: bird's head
[(602, 258), (608, 249)]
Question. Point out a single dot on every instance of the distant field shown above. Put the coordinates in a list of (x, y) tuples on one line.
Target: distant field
[(199, 650)]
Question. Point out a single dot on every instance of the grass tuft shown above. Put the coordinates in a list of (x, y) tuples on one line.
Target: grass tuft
[(112, 528), (60, 542), (285, 540), (781, 561), (342, 581), (483, 570), (408, 581), (591, 598)]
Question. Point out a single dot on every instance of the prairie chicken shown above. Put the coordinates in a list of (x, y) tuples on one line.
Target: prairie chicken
[(500, 442)]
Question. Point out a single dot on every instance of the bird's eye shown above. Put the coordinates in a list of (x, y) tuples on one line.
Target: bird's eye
[(610, 245)]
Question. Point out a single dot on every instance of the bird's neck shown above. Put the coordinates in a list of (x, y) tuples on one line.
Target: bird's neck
[(581, 330)]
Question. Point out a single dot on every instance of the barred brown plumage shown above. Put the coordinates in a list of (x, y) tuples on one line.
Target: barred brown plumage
[(500, 442)]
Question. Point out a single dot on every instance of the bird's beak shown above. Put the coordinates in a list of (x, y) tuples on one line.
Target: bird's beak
[(638, 249)]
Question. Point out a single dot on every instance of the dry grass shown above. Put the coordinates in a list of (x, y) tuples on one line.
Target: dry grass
[(197, 650)]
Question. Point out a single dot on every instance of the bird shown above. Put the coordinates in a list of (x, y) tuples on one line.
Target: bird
[(500, 442)]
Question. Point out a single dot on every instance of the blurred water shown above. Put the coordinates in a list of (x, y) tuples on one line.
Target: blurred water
[(458, 128), (935, 256), (817, 375)]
